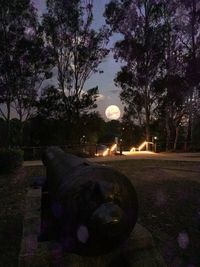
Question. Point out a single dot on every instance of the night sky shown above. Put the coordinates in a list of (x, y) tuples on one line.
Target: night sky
[(109, 94)]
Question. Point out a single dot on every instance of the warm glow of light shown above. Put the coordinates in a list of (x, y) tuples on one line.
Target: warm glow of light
[(128, 153), (106, 152), (142, 146), (113, 147), (133, 149)]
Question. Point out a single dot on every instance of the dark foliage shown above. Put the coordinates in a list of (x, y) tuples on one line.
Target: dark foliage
[(10, 160)]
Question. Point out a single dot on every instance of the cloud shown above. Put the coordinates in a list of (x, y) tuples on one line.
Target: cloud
[(101, 97), (114, 91)]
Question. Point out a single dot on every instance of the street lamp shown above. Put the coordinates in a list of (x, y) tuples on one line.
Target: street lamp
[(120, 145), (155, 138)]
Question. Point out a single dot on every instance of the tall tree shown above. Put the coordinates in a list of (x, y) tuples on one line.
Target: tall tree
[(140, 23), (189, 25), (78, 51), (171, 86), (11, 29), (23, 60), (33, 65), (171, 109)]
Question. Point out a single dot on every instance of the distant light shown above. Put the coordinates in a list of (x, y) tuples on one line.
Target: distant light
[(131, 153), (142, 146), (113, 147), (155, 137), (106, 152), (133, 149)]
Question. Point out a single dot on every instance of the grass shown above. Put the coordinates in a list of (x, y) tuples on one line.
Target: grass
[(169, 205)]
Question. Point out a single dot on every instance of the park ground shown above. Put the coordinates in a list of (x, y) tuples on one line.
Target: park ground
[(169, 205)]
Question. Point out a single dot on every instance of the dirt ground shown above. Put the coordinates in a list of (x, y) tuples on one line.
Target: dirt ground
[(169, 207)]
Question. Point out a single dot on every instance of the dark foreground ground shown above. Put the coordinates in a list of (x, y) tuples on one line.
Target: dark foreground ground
[(169, 205)]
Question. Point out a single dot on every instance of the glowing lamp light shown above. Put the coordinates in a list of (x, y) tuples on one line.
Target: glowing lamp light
[(142, 145), (106, 152), (113, 147)]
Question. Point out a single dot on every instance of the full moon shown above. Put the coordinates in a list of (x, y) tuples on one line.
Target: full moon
[(113, 112)]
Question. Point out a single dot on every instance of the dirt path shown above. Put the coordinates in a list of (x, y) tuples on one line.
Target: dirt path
[(195, 157), (169, 206), (12, 195)]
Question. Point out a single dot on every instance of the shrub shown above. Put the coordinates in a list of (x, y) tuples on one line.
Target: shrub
[(10, 159)]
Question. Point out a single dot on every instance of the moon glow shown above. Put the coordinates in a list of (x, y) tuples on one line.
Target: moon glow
[(112, 112)]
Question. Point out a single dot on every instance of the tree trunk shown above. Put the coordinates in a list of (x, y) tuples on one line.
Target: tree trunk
[(176, 138), (147, 122), (188, 134), (168, 131), (8, 141), (147, 131), (21, 132)]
